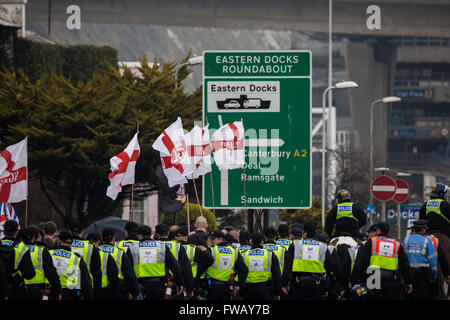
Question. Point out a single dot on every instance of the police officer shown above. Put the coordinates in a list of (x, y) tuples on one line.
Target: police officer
[(72, 270), (90, 254), (307, 262), (127, 278), (227, 261), (349, 262), (110, 284), (385, 256), (422, 258), (131, 236), (437, 210), (162, 233), (151, 259), (199, 257), (270, 235), (244, 241), (346, 217), (283, 234), (43, 265), (264, 277), (20, 262)]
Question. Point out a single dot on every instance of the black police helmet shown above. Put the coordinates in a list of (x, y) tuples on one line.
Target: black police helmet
[(438, 190), (343, 195)]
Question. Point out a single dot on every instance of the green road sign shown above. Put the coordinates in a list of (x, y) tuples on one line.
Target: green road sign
[(270, 91)]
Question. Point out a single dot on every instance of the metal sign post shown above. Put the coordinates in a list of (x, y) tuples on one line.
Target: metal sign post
[(270, 91)]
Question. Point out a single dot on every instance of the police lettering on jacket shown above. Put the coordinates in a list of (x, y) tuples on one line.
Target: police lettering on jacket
[(77, 244), (225, 250), (62, 253), (147, 243), (256, 252)]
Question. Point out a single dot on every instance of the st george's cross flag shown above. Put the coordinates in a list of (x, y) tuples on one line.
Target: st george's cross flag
[(198, 151), (171, 145), (13, 173), (228, 146), (123, 167)]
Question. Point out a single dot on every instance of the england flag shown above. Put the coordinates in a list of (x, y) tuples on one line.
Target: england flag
[(173, 152), (228, 146), (14, 173), (123, 167), (199, 155)]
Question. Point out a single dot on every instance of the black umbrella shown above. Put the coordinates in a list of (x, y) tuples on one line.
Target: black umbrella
[(109, 222)]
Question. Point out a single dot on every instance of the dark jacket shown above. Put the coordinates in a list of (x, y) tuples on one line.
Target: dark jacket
[(276, 274), (203, 259), (4, 276), (171, 264), (362, 262), (199, 238), (239, 267), (86, 284), (331, 265), (95, 269), (186, 268), (129, 276), (345, 224), (112, 272), (435, 221), (26, 267), (443, 261), (50, 272)]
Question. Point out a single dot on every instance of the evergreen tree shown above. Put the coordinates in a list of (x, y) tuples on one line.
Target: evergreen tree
[(74, 129)]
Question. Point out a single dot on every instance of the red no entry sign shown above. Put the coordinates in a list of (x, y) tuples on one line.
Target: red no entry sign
[(402, 191), (383, 188)]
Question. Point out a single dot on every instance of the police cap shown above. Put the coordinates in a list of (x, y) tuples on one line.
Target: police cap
[(76, 227), (419, 224), (65, 236), (145, 230), (296, 232), (131, 227), (215, 234), (108, 233), (383, 226)]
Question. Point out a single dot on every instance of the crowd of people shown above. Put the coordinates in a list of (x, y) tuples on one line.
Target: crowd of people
[(190, 263)]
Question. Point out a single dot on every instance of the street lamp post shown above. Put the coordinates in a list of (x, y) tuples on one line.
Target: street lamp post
[(383, 100), (191, 62), (339, 85)]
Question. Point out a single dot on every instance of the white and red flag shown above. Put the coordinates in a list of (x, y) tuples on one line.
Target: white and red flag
[(228, 146), (123, 167), (172, 147), (199, 154), (13, 173)]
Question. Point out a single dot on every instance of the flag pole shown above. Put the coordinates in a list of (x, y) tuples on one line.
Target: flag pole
[(132, 187), (212, 189), (245, 194), (26, 213), (212, 194), (188, 220), (196, 195)]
